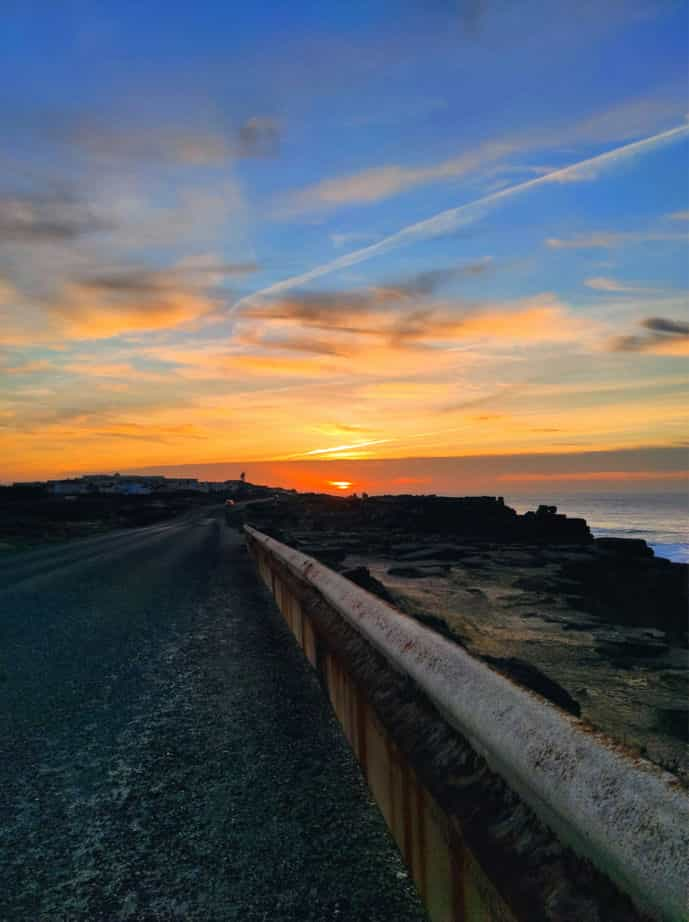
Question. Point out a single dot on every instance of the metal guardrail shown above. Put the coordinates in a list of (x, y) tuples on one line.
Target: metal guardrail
[(626, 816)]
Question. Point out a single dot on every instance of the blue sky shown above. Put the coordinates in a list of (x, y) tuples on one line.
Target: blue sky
[(173, 174)]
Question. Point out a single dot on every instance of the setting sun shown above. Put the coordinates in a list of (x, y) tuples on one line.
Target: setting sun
[(340, 484)]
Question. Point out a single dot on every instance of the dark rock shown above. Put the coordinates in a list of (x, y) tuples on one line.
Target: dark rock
[(544, 584), (627, 653), (329, 556), (551, 528), (362, 577), (675, 722), (532, 678), (633, 590), (473, 518), (416, 572), (625, 547), (439, 625), (435, 552), (475, 563)]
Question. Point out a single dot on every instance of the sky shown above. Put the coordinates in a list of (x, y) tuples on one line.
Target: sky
[(409, 247)]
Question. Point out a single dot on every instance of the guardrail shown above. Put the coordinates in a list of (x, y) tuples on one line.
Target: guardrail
[(504, 807)]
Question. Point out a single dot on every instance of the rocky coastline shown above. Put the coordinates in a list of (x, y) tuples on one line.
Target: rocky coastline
[(596, 626)]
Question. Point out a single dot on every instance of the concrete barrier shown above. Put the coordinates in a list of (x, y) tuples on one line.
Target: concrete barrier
[(504, 807)]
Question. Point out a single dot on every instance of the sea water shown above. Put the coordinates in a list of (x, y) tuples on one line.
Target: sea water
[(661, 519)]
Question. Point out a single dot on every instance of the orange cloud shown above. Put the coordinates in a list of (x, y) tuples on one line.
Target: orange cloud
[(104, 307), (84, 313), (357, 325), (536, 320), (669, 347), (27, 368), (275, 366)]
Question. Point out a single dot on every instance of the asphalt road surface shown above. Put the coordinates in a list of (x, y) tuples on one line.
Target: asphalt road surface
[(165, 752)]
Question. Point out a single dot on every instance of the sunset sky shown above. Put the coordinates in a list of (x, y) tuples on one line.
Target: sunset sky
[(237, 235)]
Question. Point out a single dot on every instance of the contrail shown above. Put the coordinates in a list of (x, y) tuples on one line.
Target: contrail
[(338, 448), (457, 217)]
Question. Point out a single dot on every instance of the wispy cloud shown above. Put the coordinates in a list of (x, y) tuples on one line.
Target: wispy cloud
[(146, 281), (327, 308), (378, 183), (628, 120), (48, 218), (661, 336), (24, 367), (603, 283), (384, 321), (427, 283), (145, 139), (493, 398), (342, 449), (454, 218), (604, 240)]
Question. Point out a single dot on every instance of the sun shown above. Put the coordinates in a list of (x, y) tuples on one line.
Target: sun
[(340, 484)]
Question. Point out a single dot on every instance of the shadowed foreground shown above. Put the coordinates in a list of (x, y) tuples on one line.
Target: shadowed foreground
[(166, 752)]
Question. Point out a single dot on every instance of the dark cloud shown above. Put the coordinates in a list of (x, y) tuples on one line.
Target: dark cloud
[(663, 334), (132, 282), (336, 313), (243, 268), (415, 326), (427, 283), (320, 309), (663, 325), (47, 218), (142, 281), (327, 309), (629, 344)]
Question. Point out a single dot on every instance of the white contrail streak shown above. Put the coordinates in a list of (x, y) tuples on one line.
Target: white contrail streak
[(454, 218), (352, 447)]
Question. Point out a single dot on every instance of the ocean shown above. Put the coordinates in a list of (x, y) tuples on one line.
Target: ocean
[(661, 519)]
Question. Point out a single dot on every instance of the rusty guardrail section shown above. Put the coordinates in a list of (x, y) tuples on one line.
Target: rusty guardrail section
[(503, 807)]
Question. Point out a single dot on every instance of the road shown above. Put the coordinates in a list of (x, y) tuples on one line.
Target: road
[(166, 753)]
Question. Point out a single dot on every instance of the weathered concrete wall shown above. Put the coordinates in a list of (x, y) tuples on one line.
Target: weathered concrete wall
[(481, 842)]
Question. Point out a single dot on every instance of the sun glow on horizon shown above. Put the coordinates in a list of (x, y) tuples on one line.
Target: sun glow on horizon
[(340, 484)]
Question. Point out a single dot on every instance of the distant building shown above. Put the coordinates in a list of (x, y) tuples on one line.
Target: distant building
[(134, 488), (117, 484), (178, 484), (130, 485), (67, 487), (220, 486)]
